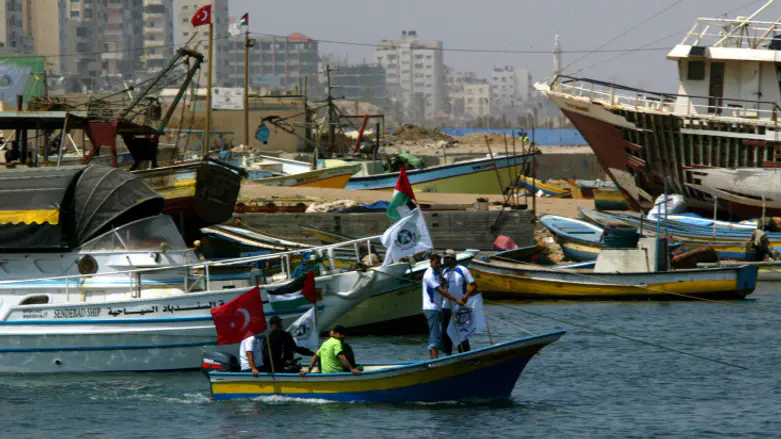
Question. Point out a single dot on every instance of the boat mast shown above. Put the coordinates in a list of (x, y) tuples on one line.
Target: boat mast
[(743, 23)]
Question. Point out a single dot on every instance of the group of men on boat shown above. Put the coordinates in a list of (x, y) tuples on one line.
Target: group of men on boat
[(443, 286)]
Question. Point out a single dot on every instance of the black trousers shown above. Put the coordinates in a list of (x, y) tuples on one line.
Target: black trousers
[(447, 344)]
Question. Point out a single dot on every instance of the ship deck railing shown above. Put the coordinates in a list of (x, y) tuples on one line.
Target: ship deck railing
[(198, 277), (740, 33), (707, 107)]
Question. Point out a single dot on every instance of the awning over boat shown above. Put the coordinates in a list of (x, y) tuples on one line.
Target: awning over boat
[(60, 208)]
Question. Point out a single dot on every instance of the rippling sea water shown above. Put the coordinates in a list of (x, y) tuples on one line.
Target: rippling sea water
[(585, 385)]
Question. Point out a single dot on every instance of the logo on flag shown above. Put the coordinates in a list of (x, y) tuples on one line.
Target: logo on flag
[(202, 16), (304, 330), (467, 320), (406, 237)]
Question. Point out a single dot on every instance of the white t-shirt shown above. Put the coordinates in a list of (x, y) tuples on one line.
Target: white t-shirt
[(250, 344), (432, 299), (458, 278)]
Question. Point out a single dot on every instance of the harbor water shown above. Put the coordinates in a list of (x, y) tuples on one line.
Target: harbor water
[(586, 385)]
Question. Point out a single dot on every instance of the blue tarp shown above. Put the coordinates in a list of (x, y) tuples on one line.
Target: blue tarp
[(541, 137)]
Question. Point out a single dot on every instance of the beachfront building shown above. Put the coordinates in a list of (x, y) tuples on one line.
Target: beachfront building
[(221, 42)]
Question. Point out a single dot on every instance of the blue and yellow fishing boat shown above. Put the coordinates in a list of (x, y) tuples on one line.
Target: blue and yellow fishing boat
[(533, 186), (482, 374), (579, 240), (477, 176)]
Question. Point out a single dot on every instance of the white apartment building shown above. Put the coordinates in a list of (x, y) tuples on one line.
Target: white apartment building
[(158, 34), (221, 45), (86, 35), (415, 74), (510, 86), (477, 99)]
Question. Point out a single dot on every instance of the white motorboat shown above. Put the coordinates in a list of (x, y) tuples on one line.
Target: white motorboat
[(107, 284)]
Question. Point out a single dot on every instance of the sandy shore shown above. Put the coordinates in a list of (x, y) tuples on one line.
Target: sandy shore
[(254, 192)]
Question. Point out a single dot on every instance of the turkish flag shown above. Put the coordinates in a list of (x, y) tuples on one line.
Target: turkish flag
[(309, 290), (240, 318), (202, 16)]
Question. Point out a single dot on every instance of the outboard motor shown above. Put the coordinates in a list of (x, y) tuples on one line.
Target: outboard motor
[(219, 362)]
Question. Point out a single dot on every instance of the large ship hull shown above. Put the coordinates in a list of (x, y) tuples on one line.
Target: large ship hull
[(641, 144)]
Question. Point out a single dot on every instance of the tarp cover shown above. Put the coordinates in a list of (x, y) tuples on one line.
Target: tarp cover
[(61, 208)]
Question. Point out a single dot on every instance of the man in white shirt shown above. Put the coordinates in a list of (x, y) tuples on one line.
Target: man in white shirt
[(460, 284), (250, 354), (432, 304)]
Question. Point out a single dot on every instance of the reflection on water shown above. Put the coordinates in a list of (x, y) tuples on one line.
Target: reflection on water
[(586, 385)]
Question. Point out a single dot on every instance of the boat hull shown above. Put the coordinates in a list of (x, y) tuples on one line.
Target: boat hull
[(469, 177), (330, 178), (524, 281), (485, 374)]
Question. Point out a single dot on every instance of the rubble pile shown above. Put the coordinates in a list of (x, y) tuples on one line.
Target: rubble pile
[(552, 249)]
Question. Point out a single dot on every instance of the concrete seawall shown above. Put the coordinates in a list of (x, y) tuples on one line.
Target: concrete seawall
[(449, 229)]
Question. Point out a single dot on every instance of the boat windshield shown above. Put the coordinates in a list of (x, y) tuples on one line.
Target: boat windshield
[(144, 234)]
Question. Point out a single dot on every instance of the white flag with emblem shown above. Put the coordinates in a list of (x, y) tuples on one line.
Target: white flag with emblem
[(466, 320), (304, 331), (406, 237)]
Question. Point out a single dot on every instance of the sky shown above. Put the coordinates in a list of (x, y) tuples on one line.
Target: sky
[(518, 25)]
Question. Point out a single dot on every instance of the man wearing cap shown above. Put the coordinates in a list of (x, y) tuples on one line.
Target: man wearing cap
[(433, 291), (461, 285)]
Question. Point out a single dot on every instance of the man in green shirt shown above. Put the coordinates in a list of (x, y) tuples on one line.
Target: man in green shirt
[(332, 356)]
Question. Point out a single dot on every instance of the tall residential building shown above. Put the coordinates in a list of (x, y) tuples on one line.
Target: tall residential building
[(361, 82), (477, 100), (123, 35), (158, 34), (86, 36), (49, 29), (415, 74), (12, 25), (276, 63), (510, 86), (221, 44)]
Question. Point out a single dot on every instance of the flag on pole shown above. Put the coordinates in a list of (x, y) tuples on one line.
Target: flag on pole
[(304, 330), (467, 320), (406, 237), (240, 318), (202, 16), (244, 20), (403, 200), (299, 292)]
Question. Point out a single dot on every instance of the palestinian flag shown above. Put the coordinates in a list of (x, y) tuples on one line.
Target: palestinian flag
[(300, 292), (244, 20), (403, 201)]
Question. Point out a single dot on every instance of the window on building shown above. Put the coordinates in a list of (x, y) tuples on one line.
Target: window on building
[(185, 20), (186, 34), (75, 14)]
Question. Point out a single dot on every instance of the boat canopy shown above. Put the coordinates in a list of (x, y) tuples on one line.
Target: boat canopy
[(60, 208)]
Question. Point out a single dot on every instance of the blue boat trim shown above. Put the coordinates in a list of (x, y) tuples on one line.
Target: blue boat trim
[(110, 348)]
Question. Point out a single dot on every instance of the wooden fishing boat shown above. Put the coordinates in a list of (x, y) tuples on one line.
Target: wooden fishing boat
[(750, 191), (579, 240), (526, 281), (606, 199), (476, 176), (618, 274), (533, 185), (334, 178), (482, 374), (196, 194)]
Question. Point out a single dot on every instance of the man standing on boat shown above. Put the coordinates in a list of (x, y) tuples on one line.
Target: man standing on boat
[(758, 246), (433, 292), (460, 285)]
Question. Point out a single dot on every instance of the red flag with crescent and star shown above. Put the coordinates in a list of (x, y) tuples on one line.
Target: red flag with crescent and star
[(240, 318), (202, 16)]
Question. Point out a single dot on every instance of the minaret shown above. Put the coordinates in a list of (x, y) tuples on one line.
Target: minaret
[(556, 56)]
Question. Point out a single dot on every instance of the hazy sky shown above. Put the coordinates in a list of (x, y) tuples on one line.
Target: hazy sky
[(506, 25)]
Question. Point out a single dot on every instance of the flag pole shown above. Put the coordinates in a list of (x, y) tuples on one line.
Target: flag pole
[(246, 85), (207, 128)]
